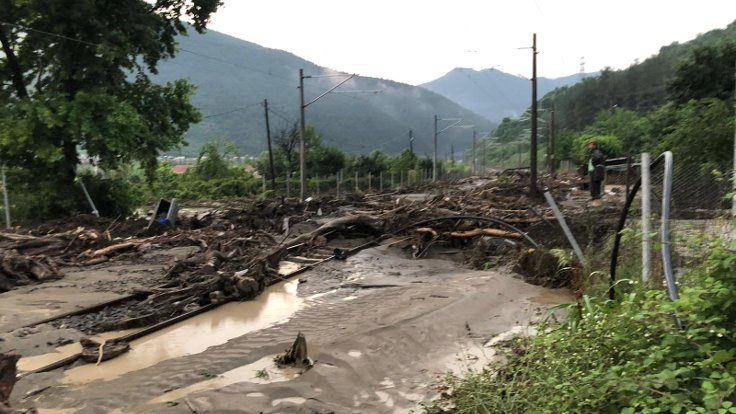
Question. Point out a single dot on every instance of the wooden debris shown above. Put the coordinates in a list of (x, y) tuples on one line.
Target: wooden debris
[(95, 352), (296, 355), (18, 270), (486, 232)]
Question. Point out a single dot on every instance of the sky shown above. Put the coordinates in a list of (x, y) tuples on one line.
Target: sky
[(415, 41)]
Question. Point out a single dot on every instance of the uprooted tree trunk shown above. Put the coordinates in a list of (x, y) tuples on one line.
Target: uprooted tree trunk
[(296, 355), (8, 374)]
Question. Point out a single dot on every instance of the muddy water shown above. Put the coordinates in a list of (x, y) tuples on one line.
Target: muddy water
[(39, 361), (263, 371), (276, 304)]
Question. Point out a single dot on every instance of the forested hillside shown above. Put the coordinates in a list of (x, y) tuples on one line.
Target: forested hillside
[(679, 100), (233, 77)]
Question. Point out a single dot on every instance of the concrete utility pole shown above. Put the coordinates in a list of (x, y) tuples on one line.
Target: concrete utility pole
[(302, 155), (533, 151), (552, 161), (270, 153), (434, 152), (411, 141), (452, 153), (302, 107)]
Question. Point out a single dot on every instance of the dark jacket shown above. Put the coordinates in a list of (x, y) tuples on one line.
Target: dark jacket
[(598, 161)]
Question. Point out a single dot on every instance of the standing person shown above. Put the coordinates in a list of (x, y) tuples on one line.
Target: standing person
[(597, 171)]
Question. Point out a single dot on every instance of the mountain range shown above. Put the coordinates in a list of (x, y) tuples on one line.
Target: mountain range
[(495, 94), (233, 77)]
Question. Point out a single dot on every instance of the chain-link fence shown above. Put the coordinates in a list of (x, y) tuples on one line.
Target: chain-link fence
[(698, 212), (342, 183)]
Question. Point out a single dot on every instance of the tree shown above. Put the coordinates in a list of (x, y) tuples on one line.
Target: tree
[(406, 161), (700, 131), (609, 144), (708, 72), (374, 163), (74, 79)]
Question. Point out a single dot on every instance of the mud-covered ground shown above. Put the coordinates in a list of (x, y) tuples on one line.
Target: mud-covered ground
[(382, 323)]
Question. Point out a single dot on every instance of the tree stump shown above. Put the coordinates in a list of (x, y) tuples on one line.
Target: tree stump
[(296, 355)]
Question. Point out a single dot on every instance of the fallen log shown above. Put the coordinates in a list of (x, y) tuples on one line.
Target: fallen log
[(486, 232), (95, 352), (110, 249)]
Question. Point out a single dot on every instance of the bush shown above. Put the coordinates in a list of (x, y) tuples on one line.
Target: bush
[(623, 357)]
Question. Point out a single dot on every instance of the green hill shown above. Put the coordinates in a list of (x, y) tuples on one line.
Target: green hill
[(233, 78), (640, 88)]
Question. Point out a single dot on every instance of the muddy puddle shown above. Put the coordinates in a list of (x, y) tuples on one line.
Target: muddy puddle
[(38, 361), (263, 371), (275, 305)]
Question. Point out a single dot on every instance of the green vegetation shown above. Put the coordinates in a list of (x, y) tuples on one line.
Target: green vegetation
[(74, 81), (678, 100), (624, 356), (234, 76)]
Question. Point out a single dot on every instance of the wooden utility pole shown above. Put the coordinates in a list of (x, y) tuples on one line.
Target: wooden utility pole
[(434, 152), (411, 141), (270, 152), (533, 155), (302, 154)]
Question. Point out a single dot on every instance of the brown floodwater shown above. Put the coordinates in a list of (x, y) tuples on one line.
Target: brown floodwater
[(263, 371), (275, 305), (38, 361)]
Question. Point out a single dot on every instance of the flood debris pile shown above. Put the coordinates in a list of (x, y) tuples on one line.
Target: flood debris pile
[(235, 250), (19, 270)]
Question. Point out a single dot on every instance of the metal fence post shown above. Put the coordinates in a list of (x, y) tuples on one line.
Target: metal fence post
[(565, 228), (646, 215), (666, 254), (89, 199)]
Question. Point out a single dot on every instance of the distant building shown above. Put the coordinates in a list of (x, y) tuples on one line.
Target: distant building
[(180, 169)]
